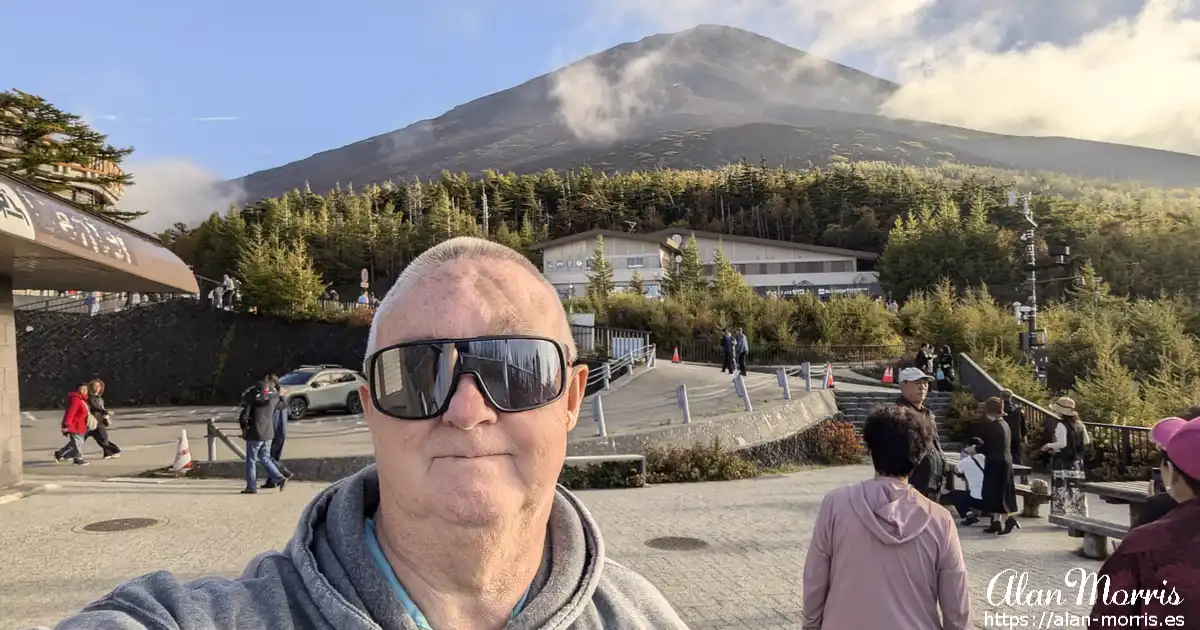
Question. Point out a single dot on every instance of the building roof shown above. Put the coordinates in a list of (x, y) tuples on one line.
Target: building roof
[(655, 237), (667, 233), (663, 237)]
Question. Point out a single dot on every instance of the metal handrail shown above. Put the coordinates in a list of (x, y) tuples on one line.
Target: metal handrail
[(645, 353)]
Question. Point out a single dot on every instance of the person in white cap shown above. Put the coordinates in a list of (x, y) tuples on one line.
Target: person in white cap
[(929, 475)]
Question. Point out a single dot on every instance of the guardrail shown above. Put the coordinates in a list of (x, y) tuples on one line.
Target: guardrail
[(789, 354), (608, 342), (1117, 452), (683, 399)]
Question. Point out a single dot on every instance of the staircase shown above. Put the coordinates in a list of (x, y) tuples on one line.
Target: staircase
[(856, 406)]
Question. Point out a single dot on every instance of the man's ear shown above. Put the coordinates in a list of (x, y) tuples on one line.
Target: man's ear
[(576, 384)]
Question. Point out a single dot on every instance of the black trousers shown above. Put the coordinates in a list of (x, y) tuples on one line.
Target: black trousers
[(727, 362), (100, 435), (742, 362)]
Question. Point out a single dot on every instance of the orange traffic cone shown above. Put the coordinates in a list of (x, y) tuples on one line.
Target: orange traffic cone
[(183, 455), (828, 376), (887, 375), (675, 357)]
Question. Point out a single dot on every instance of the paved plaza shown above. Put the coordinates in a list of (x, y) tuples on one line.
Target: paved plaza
[(748, 576)]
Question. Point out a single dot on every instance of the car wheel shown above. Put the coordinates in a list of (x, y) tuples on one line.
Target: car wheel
[(354, 403), (297, 407)]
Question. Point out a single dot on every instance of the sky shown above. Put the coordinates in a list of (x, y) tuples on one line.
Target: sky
[(215, 90)]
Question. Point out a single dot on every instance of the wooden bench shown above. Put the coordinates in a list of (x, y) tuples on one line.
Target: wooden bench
[(639, 461), (1095, 533)]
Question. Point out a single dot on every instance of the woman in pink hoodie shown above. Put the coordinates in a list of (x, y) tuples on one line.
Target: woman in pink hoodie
[(882, 555)]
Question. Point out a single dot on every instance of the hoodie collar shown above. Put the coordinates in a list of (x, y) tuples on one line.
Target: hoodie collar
[(329, 549)]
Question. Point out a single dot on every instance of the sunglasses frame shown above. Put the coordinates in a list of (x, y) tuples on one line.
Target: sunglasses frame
[(371, 359)]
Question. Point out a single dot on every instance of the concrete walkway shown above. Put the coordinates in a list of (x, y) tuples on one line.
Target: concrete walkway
[(747, 576)]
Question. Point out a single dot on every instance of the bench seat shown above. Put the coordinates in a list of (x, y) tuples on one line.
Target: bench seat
[(1094, 532)]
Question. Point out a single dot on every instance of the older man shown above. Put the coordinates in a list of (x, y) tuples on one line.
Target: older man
[(460, 524), (929, 476)]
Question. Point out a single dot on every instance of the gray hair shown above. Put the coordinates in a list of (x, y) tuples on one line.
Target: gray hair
[(473, 249)]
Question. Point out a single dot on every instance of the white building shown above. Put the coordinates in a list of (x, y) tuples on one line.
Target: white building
[(82, 187), (768, 266)]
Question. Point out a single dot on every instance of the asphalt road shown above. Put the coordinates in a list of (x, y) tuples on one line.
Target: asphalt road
[(148, 438)]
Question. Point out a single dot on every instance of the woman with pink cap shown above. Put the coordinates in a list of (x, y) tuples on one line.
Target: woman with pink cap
[(1162, 557), (1161, 502)]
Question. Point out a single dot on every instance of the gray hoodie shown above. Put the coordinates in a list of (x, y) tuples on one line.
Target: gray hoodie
[(326, 578)]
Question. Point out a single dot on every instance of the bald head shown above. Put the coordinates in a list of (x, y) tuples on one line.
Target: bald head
[(504, 291)]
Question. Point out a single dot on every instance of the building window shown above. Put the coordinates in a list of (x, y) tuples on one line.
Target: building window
[(842, 266), (706, 270), (635, 263), (762, 269)]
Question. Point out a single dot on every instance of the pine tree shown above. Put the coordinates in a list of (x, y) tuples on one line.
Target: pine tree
[(600, 279), (637, 285), (278, 278), (691, 268), (50, 148), (727, 282)]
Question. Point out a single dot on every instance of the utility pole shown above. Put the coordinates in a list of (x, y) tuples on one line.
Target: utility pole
[(1031, 340), (486, 215)]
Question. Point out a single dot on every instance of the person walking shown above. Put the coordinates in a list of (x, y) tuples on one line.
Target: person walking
[(258, 428), (924, 358), (103, 418), (1018, 427), (999, 488), (880, 539), (929, 476), (280, 417), (1067, 444), (944, 370), (1163, 556), (742, 347), (727, 352), (74, 426)]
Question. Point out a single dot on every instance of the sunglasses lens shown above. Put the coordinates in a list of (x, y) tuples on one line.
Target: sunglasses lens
[(414, 381)]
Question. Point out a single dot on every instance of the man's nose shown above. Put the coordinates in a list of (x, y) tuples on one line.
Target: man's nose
[(469, 408)]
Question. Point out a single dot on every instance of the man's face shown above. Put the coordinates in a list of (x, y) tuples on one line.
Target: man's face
[(914, 391), (422, 467)]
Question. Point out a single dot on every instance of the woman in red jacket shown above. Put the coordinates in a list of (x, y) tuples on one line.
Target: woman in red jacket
[(74, 426)]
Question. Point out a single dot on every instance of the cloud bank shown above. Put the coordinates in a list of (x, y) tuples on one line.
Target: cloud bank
[(1124, 71), (175, 191)]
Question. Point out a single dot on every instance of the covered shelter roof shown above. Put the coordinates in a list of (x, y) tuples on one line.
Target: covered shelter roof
[(47, 242)]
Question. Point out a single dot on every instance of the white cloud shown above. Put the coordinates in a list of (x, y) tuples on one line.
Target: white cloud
[(175, 191), (1115, 70)]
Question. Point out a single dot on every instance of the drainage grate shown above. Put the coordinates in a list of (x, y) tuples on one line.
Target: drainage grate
[(120, 524), (675, 543)]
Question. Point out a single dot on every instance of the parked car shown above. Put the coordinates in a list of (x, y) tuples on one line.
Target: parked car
[(321, 388)]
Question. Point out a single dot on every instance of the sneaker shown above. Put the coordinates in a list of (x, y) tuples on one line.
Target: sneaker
[(250, 491), (113, 456), (80, 462), (969, 521), (61, 460)]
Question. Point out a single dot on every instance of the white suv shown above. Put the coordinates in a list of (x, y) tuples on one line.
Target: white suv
[(321, 388)]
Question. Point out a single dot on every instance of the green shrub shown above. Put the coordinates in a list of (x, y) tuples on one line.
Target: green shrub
[(664, 464), (962, 412), (699, 462)]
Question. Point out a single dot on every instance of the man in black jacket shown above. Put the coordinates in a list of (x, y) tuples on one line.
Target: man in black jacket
[(258, 428), (929, 475)]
